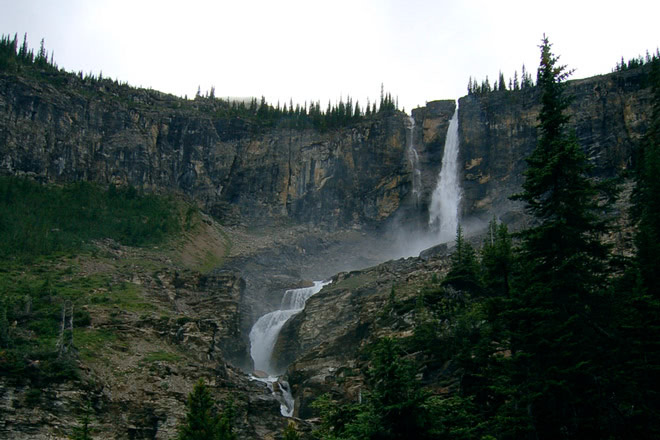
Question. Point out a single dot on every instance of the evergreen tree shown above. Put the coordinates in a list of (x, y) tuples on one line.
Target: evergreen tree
[(497, 259), (516, 85), (290, 433), (202, 421), (464, 271), (83, 431), (395, 408), (502, 83), (640, 348), (555, 336)]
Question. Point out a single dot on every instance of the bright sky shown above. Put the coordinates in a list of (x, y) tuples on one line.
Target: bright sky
[(421, 50)]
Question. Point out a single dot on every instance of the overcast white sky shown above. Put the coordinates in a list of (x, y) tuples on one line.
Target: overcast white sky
[(421, 50)]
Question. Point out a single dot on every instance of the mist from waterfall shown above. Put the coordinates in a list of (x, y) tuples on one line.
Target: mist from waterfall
[(443, 211)]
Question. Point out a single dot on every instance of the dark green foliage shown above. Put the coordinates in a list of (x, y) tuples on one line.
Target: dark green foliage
[(552, 328), (42, 225), (83, 431), (564, 249), (396, 395), (464, 272), (290, 433), (497, 259), (638, 293), (5, 339), (40, 219), (640, 61), (394, 408), (13, 58), (203, 421), (454, 418), (501, 83), (483, 88)]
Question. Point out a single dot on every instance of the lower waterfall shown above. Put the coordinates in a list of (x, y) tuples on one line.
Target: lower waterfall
[(263, 337)]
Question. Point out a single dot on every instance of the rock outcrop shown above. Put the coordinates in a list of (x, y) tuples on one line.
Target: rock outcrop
[(323, 345), (155, 329), (609, 115)]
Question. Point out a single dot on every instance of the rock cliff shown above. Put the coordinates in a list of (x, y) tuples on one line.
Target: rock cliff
[(65, 130), (609, 115)]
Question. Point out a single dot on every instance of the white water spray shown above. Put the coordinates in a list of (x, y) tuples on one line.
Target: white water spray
[(263, 337), (443, 212), (413, 158)]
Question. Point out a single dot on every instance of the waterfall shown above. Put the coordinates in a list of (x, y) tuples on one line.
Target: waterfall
[(443, 212), (263, 337), (413, 158)]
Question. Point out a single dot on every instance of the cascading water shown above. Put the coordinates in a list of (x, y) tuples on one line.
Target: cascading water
[(443, 212), (413, 158), (263, 337)]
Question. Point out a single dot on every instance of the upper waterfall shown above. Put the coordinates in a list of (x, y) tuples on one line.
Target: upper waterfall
[(443, 212)]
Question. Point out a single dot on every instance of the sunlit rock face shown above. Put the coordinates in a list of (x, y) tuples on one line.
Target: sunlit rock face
[(609, 114)]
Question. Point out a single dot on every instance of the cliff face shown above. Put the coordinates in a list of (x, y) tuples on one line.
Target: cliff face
[(357, 175), (152, 141), (497, 132)]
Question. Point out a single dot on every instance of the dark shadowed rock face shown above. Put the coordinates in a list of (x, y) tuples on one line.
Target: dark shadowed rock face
[(353, 175), (497, 132)]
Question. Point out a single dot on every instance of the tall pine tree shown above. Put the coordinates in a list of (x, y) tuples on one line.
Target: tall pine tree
[(203, 422), (555, 336)]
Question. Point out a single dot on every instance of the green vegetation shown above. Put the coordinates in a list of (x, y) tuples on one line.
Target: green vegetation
[(46, 297), (83, 431), (475, 87), (91, 342), (544, 335), (265, 115), (161, 356), (552, 320), (203, 421), (484, 87), (31, 307), (37, 220), (395, 408), (640, 61), (290, 433), (14, 58)]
